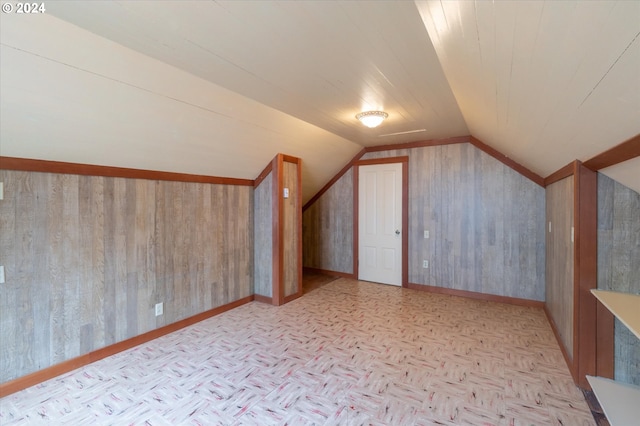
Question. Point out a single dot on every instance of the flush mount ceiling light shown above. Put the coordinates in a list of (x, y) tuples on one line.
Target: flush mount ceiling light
[(372, 118)]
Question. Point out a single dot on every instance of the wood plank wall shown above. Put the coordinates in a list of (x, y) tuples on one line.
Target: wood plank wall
[(263, 241), (560, 255), (327, 228), (619, 264), (485, 220), (290, 233), (86, 259)]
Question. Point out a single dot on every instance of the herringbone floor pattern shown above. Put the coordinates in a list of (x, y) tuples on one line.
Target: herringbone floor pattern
[(348, 353)]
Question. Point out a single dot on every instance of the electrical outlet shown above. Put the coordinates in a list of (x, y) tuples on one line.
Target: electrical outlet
[(426, 233), (1, 191), (1, 274), (425, 263), (159, 309)]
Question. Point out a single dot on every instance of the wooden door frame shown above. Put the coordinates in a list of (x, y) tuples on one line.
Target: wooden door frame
[(404, 160), (278, 296), (592, 327), (276, 169)]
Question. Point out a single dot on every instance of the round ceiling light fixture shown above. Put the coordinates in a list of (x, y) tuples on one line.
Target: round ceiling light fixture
[(372, 118)]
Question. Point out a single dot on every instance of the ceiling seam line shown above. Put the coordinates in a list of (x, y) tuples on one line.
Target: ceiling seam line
[(609, 70), (137, 87)]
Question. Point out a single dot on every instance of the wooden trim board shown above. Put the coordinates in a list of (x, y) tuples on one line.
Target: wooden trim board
[(278, 216), (405, 223), (356, 214), (298, 163), (622, 152), (560, 174), (263, 175), (507, 161), (45, 166), (585, 272), (605, 342), (333, 180), (384, 160), (479, 296), (291, 297), (277, 229), (263, 299)]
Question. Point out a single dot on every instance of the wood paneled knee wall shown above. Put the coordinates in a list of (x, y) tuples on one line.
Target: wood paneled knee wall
[(278, 231)]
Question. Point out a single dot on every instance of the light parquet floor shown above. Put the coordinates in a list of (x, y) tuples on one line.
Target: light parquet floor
[(348, 353)]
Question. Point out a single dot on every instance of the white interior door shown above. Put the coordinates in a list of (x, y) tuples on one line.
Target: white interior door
[(380, 223)]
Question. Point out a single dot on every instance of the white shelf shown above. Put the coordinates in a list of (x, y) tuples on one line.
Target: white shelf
[(625, 306), (620, 401)]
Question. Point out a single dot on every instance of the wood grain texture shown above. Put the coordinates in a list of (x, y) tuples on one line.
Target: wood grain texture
[(86, 259), (12, 250), (568, 358), (47, 373), (263, 235), (619, 264), (485, 222), (292, 209), (429, 143), (328, 228), (560, 258)]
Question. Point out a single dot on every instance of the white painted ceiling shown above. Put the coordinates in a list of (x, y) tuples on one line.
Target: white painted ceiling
[(218, 88)]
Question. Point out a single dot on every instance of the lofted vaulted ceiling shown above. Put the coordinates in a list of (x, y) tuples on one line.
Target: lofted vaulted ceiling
[(220, 87)]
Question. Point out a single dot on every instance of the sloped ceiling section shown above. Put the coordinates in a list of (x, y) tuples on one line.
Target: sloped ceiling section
[(220, 87), (544, 82), (319, 61), (70, 95), (627, 173)]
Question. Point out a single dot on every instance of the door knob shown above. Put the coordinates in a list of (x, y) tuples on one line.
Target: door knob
[(397, 232)]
